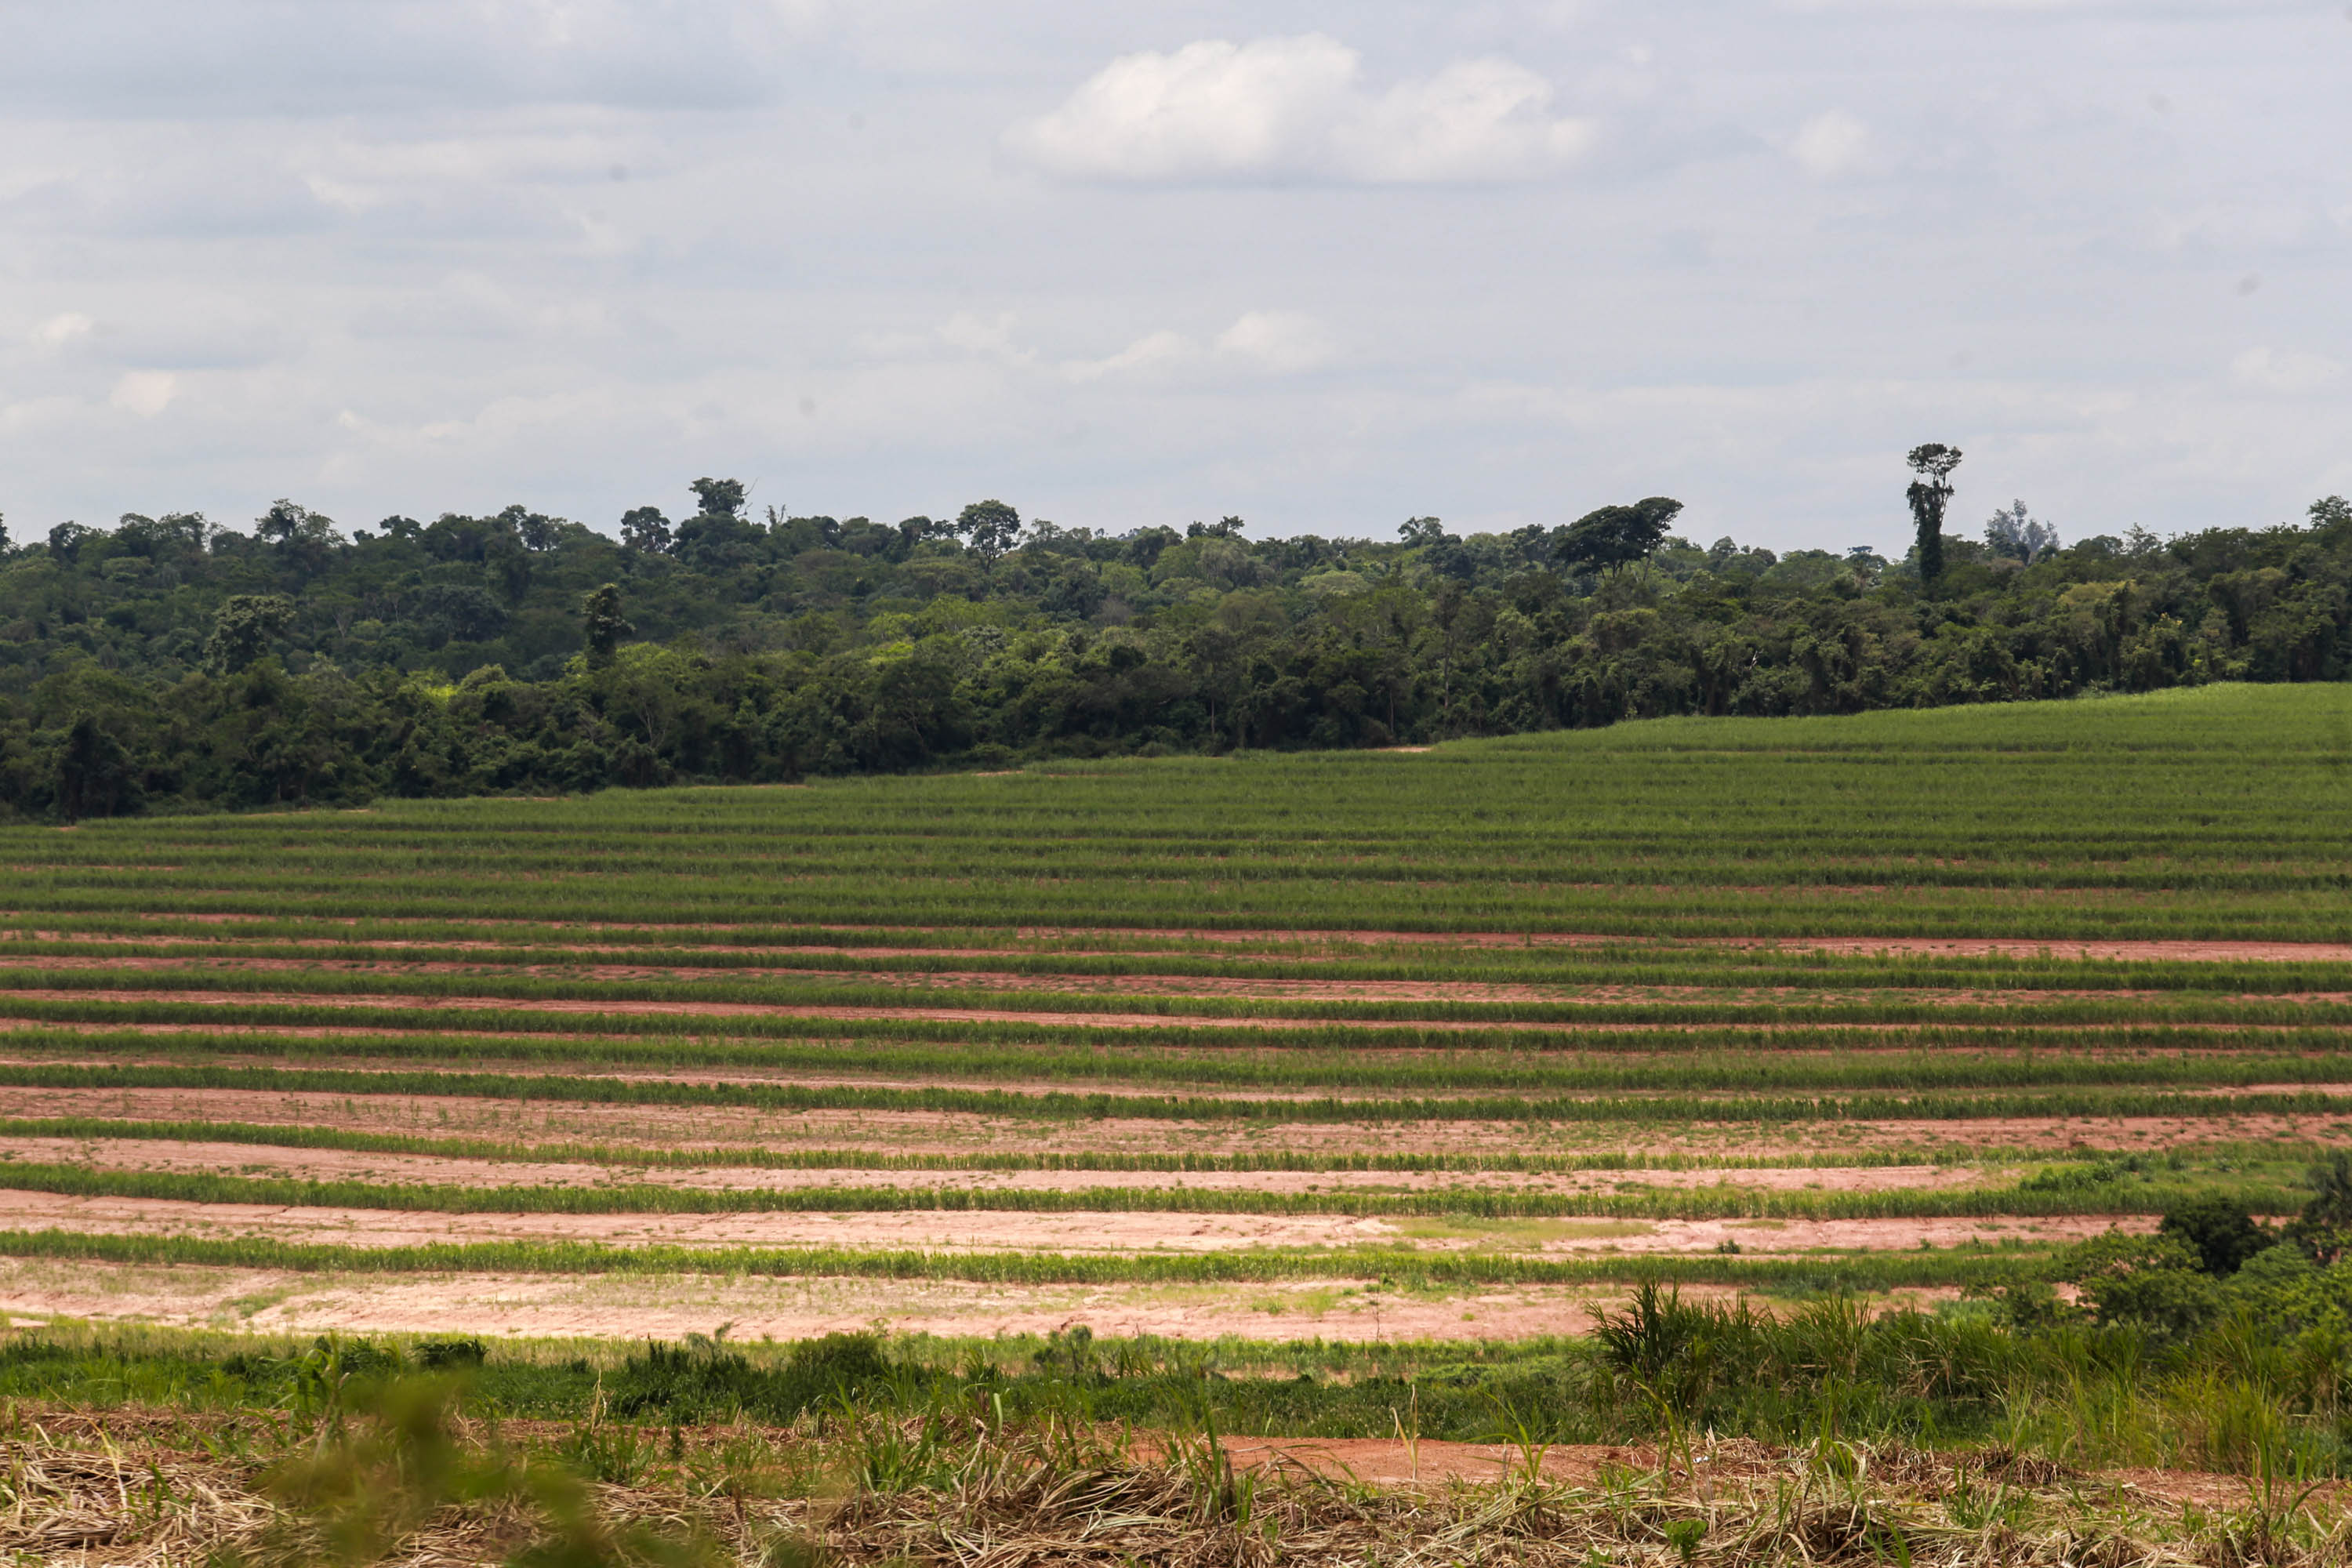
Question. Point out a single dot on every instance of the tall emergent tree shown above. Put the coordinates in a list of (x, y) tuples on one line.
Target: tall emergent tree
[(1617, 536), (1930, 494), (601, 625), (992, 527)]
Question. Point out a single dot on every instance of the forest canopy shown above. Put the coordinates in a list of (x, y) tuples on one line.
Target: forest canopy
[(170, 663)]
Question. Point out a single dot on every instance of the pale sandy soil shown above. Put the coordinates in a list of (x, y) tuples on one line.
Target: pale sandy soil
[(682, 1127), (627, 1307), (331, 1164), (956, 1231)]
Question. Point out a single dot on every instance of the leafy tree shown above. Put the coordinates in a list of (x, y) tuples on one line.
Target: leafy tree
[(67, 539), (535, 530), (601, 625), (305, 538), (94, 772), (244, 628), (1930, 494), (991, 527), (1614, 537), (645, 527), (2014, 532), (2221, 1231), (2324, 1229), (720, 497), (2152, 1283), (1420, 532)]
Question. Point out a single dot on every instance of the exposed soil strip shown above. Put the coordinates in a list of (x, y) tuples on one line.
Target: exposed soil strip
[(960, 1132), (336, 1165), (669, 1307), (989, 1231)]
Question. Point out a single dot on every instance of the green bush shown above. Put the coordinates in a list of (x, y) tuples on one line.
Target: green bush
[(2221, 1231)]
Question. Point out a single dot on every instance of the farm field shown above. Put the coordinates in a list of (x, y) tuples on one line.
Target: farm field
[(1706, 1134), (1312, 1046)]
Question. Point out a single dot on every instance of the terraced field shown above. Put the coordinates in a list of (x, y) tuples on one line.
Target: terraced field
[(1438, 1045)]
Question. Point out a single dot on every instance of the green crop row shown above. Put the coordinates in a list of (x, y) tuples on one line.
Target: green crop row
[(1721, 1202), (1646, 1109), (1433, 1073), (301, 1028), (1731, 970), (286, 1135), (814, 996)]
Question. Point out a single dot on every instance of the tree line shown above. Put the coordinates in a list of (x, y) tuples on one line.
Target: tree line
[(171, 663)]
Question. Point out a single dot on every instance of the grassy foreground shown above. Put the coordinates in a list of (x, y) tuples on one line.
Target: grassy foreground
[(1895, 1440)]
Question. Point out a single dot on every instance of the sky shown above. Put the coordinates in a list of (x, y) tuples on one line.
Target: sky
[(1322, 266)]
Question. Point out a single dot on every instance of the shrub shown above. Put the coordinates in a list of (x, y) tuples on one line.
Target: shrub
[(2221, 1232)]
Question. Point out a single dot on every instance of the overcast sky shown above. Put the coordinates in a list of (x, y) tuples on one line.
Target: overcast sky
[(1322, 266)]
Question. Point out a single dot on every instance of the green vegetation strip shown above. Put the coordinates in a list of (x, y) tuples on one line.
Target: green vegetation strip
[(1647, 1110), (2037, 1198), (755, 1157), (1877, 1271), (1913, 1070), (1308, 1161), (682, 997), (672, 1040), (1614, 963)]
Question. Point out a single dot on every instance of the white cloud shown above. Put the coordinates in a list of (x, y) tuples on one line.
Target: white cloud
[(1276, 341), (2284, 370), (1153, 352), (60, 330), (145, 392), (1296, 108), (1832, 144), (1271, 343), (990, 336)]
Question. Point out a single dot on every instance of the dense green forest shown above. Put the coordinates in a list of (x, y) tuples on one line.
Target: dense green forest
[(171, 663)]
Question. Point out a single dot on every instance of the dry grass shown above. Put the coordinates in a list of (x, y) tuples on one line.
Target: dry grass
[(127, 1489)]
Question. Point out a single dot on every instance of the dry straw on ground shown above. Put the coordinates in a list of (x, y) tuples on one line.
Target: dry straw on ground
[(131, 1490)]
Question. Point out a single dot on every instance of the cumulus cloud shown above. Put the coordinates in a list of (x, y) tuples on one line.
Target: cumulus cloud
[(61, 330), (1269, 343), (1277, 109), (2285, 370), (1832, 144), (145, 392), (1276, 341)]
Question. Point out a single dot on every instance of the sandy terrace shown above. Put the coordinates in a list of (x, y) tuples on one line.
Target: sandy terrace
[(672, 1306), (330, 1164), (1076, 1232), (678, 1127)]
